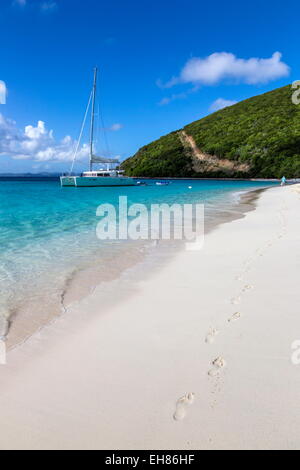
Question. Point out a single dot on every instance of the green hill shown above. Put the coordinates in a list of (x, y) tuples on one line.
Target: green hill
[(259, 137)]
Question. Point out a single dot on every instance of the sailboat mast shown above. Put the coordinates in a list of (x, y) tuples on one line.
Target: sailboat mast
[(93, 119)]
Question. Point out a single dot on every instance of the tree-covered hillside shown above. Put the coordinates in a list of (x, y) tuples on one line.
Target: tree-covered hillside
[(259, 137)]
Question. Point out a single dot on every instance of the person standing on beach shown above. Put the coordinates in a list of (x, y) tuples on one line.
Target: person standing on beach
[(283, 181)]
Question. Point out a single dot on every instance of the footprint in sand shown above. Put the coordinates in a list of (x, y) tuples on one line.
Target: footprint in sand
[(218, 364), (248, 287), (236, 316), (236, 300), (182, 405), (210, 338)]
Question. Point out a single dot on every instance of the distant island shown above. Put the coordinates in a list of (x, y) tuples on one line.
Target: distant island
[(29, 175), (256, 138)]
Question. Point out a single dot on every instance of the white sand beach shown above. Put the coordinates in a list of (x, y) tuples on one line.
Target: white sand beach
[(216, 326)]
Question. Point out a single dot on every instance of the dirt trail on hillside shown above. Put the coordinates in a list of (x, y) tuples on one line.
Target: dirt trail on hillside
[(203, 162), (189, 140)]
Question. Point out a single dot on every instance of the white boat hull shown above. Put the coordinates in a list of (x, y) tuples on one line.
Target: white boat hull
[(87, 182)]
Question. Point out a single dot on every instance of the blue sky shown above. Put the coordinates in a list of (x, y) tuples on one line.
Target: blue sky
[(162, 65)]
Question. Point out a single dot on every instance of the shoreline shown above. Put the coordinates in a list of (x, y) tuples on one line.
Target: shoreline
[(215, 324), (143, 258), (57, 177)]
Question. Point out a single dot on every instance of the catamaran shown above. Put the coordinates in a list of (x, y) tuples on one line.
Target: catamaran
[(103, 176)]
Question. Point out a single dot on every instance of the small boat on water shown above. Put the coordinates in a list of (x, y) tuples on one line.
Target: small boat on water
[(101, 177)]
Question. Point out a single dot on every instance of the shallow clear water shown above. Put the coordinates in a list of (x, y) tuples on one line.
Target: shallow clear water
[(48, 232)]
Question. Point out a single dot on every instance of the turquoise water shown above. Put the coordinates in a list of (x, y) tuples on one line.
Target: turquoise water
[(48, 232)]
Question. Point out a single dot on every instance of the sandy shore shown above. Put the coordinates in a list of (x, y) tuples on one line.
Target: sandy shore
[(109, 374)]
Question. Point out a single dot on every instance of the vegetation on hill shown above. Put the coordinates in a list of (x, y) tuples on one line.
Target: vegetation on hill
[(164, 157), (259, 137)]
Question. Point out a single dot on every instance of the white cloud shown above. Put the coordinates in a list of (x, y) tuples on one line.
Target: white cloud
[(48, 6), (21, 3), (174, 97), (177, 96), (226, 66), (36, 143), (3, 92), (221, 103), (45, 6), (116, 127)]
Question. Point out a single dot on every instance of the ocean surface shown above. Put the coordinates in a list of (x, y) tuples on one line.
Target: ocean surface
[(48, 234)]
